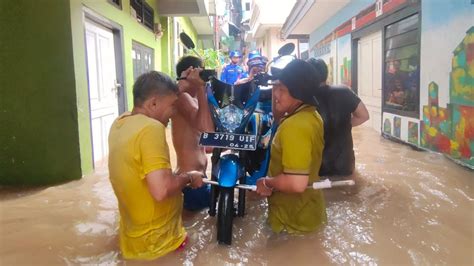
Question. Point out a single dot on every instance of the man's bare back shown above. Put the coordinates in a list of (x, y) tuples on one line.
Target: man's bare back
[(192, 118), (190, 156)]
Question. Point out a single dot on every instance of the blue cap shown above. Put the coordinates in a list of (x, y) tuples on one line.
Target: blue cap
[(234, 54), (254, 54)]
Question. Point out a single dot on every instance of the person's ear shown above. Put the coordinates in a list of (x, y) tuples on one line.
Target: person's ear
[(152, 102)]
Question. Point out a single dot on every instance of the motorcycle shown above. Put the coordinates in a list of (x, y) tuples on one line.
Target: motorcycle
[(243, 120)]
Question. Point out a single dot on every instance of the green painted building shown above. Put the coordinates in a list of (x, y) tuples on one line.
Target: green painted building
[(67, 69)]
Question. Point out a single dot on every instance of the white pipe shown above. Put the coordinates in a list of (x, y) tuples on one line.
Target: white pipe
[(316, 185)]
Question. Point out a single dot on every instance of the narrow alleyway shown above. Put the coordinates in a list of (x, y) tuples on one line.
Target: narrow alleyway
[(408, 207)]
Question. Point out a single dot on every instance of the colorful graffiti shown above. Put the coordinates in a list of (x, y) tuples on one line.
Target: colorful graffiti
[(326, 50), (450, 130), (413, 132), (330, 64), (462, 75), (387, 126), (344, 60), (345, 72), (397, 126)]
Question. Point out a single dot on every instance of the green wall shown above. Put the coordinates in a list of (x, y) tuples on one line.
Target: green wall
[(38, 113), (168, 40), (45, 132), (166, 44), (188, 27), (132, 30)]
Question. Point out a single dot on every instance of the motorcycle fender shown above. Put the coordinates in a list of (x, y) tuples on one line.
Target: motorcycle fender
[(229, 170)]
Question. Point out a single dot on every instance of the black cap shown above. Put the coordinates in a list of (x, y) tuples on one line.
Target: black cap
[(302, 81)]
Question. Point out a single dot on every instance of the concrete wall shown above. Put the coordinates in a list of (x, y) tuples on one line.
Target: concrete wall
[(270, 42), (349, 11), (39, 139)]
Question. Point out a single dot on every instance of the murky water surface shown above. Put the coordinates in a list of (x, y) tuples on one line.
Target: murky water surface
[(408, 207)]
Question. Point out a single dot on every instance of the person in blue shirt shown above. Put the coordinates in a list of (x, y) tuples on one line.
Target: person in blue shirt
[(256, 64), (233, 72)]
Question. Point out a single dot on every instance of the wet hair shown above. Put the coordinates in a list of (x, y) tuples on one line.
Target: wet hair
[(320, 67), (152, 83), (185, 62)]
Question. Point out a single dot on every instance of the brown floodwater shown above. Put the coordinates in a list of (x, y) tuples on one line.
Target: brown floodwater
[(408, 207)]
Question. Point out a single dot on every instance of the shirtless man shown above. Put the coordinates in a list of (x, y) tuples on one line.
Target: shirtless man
[(191, 119)]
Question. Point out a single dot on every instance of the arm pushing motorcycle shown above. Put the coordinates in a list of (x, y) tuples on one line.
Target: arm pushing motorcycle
[(163, 183), (316, 185)]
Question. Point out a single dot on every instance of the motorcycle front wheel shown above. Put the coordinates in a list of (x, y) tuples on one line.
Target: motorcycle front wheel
[(225, 215)]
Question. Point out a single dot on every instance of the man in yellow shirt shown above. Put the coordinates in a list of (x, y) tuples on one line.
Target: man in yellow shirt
[(149, 195), (296, 153)]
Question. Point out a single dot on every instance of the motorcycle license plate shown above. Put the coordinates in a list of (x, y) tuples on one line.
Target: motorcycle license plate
[(229, 141)]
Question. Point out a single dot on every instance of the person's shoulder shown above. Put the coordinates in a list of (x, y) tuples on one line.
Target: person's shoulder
[(341, 91), (305, 119), (148, 123), (339, 88)]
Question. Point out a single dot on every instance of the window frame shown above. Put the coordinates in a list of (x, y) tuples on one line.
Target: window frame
[(141, 49), (115, 4), (143, 7), (386, 108), (406, 10)]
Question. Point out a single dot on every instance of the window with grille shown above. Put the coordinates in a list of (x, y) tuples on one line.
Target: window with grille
[(401, 89), (143, 59), (144, 12), (117, 3)]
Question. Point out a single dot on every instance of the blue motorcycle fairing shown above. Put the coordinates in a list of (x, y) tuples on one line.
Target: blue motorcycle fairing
[(229, 170), (227, 94), (256, 175), (244, 96), (255, 123)]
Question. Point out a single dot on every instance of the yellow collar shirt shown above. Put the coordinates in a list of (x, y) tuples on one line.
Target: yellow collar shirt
[(297, 149), (148, 229)]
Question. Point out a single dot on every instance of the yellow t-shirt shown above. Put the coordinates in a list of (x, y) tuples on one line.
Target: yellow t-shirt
[(297, 148), (148, 229)]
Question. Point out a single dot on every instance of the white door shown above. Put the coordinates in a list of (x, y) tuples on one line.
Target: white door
[(369, 77), (102, 86)]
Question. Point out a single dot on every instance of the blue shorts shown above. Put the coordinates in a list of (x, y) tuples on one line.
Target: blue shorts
[(197, 199)]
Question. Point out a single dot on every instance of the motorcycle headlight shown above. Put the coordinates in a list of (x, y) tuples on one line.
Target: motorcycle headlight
[(231, 117)]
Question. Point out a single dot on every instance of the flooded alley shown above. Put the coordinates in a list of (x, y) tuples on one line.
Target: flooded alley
[(408, 207)]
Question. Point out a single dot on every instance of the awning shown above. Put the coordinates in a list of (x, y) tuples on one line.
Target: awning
[(233, 29)]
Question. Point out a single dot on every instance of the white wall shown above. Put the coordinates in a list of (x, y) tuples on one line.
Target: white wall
[(270, 42)]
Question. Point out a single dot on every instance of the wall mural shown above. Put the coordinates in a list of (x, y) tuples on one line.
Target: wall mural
[(413, 133), (344, 60), (397, 125), (450, 130), (387, 126), (326, 50)]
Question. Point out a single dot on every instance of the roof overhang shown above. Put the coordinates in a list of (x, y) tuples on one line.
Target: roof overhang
[(186, 8), (308, 15), (202, 25)]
